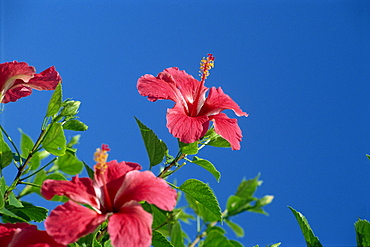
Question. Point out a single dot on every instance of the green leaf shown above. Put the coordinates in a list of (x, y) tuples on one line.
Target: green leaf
[(2, 191), (75, 125), (188, 148), (70, 108), (275, 245), (90, 172), (158, 240), (108, 244), (362, 228), (237, 229), (216, 239), (13, 201), (368, 156), (69, 164), (215, 139), (208, 166), (311, 239), (202, 193), (26, 144), (55, 102), (236, 243), (6, 155), (155, 147), (55, 141), (9, 216), (247, 188), (201, 210), (90, 239), (177, 239)]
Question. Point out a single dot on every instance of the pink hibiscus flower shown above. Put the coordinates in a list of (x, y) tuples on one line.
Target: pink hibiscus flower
[(25, 235), (17, 79), (189, 119), (113, 194)]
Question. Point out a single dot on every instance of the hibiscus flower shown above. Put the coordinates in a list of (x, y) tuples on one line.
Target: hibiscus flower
[(189, 119), (17, 79), (24, 235), (114, 195)]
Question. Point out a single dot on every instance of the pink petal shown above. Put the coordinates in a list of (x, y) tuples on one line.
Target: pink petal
[(31, 237), (187, 129), (79, 190), (218, 101), (160, 87), (131, 226), (71, 221), (46, 80), (140, 186), (7, 231), (186, 83), (228, 128), (19, 70), (16, 93), (114, 171)]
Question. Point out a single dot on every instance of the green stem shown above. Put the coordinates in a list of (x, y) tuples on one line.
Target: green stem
[(23, 166), (10, 140), (180, 156), (42, 168)]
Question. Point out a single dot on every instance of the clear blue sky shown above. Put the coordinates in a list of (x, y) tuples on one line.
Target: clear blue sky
[(299, 68)]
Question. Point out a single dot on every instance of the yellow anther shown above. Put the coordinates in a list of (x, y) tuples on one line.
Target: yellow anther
[(205, 65), (100, 157)]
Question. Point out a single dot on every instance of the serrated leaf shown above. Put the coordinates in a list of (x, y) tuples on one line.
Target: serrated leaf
[(6, 155), (216, 239), (55, 102), (237, 229), (202, 193), (208, 166), (158, 240), (55, 141), (188, 148), (75, 125), (69, 164), (247, 188), (155, 147), (311, 239), (13, 217), (201, 210), (362, 228)]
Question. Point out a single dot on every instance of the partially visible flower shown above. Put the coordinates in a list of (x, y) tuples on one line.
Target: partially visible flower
[(114, 195), (17, 79), (24, 235), (189, 119)]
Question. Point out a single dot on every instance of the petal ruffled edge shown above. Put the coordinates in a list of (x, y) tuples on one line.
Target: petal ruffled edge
[(63, 217), (139, 186), (31, 237), (80, 190), (218, 101), (131, 226), (228, 128)]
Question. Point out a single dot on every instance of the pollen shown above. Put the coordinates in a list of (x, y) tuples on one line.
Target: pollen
[(101, 156), (206, 64)]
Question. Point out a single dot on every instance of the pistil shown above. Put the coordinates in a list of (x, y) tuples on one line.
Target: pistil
[(101, 156), (206, 64)]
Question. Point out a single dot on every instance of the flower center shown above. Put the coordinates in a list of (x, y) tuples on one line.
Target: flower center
[(206, 64), (101, 156)]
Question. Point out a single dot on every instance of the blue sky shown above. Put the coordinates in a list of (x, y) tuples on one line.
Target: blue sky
[(299, 68)]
